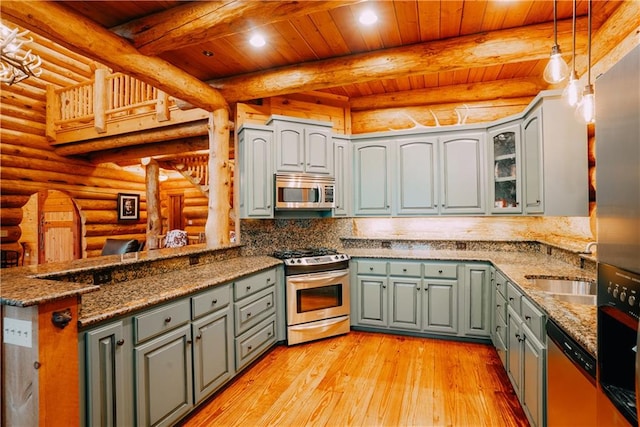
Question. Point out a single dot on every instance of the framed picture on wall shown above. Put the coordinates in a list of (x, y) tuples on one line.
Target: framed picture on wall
[(128, 206)]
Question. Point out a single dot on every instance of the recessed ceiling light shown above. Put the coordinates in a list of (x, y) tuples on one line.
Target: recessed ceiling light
[(368, 17), (257, 40), (207, 53)]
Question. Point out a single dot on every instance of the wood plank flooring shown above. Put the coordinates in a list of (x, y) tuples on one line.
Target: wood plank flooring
[(368, 379)]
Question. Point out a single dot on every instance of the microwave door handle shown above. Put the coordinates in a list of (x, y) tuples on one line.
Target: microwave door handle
[(320, 194)]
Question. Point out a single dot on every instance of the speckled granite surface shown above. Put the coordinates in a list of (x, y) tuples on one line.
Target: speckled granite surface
[(121, 298), (579, 320)]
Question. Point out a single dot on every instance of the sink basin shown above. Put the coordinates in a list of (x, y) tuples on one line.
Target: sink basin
[(573, 291)]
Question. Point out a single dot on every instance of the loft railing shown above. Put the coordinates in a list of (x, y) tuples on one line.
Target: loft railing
[(106, 98)]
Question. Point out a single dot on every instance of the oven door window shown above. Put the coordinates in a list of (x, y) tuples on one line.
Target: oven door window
[(318, 298), (299, 194)]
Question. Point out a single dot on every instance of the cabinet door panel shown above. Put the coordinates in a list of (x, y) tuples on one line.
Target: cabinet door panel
[(343, 180), (533, 162), (256, 178), (532, 379), (477, 296), (319, 151), (372, 179), (164, 372), (417, 177), (290, 149), (212, 353), (441, 306), (405, 303), (372, 301), (514, 350), (463, 183)]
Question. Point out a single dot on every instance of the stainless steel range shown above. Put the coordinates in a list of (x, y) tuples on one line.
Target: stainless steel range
[(317, 282)]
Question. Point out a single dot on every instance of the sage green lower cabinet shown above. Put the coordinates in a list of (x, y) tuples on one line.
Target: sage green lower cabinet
[(422, 296), (107, 368)]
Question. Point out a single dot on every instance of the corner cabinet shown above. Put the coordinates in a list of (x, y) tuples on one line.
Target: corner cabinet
[(556, 181), (255, 146), (505, 188), (302, 146)]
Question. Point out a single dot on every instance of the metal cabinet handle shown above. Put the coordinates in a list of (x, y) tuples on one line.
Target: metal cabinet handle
[(370, 268), (249, 348), (120, 342), (510, 298), (404, 270), (268, 303), (440, 271), (527, 317), (167, 319), (248, 314), (248, 288), (198, 337), (215, 301)]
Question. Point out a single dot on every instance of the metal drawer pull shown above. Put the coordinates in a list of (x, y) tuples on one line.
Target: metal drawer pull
[(120, 342), (248, 313), (167, 319), (404, 270), (268, 303), (215, 301), (198, 337), (527, 317), (440, 271), (370, 268), (248, 288)]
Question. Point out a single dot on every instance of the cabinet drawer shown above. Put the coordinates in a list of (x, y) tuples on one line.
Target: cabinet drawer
[(410, 269), (210, 301), (161, 320), (501, 306), (501, 284), (533, 318), (252, 284), (514, 298), (254, 309), (372, 267), (253, 342), (447, 271)]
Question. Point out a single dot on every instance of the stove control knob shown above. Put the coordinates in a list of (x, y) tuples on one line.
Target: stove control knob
[(623, 296), (616, 291), (631, 300)]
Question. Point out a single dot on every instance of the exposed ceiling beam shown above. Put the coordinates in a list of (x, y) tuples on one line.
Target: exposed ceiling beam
[(86, 37), (478, 50), (198, 22), (133, 154), (471, 92)]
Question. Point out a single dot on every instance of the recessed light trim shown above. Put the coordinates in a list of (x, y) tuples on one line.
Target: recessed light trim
[(368, 17), (207, 53), (257, 40)]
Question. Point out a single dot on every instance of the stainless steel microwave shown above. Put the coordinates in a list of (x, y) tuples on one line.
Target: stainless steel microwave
[(309, 192)]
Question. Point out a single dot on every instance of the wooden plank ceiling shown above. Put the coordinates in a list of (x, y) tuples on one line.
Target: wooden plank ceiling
[(185, 33)]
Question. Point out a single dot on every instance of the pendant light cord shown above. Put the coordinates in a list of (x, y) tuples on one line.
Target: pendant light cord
[(555, 24), (574, 38), (589, 47)]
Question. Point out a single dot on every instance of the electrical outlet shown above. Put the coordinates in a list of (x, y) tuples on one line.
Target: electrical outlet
[(193, 260), (461, 246), (385, 244), (101, 277), (17, 332)]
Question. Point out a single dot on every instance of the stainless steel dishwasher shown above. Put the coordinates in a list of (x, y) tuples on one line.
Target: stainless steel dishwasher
[(571, 381)]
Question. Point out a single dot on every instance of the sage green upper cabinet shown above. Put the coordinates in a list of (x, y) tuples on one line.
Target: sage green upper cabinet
[(556, 167), (255, 146), (505, 188), (342, 162), (416, 176), (372, 178), (462, 161), (303, 146)]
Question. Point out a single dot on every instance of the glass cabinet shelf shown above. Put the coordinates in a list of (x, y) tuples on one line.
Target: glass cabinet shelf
[(505, 148)]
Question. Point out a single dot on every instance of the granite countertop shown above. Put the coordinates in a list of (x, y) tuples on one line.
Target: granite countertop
[(125, 297), (577, 319)]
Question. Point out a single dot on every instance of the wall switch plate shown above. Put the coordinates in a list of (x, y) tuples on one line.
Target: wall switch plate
[(17, 332)]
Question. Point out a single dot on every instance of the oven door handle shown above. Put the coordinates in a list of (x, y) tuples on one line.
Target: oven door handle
[(315, 325), (312, 280)]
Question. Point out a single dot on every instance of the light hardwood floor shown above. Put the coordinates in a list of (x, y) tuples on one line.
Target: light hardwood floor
[(368, 379)]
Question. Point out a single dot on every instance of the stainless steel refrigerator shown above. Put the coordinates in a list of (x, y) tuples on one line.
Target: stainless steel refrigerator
[(618, 228)]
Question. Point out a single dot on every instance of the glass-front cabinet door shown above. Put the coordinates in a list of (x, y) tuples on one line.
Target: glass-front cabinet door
[(504, 152)]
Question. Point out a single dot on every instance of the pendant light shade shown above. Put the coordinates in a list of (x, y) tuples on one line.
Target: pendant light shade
[(586, 110), (557, 69), (571, 93)]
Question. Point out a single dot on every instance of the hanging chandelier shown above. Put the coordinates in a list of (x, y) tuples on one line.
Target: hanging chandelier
[(17, 63)]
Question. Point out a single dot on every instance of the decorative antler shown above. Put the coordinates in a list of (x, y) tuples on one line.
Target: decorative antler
[(462, 120)]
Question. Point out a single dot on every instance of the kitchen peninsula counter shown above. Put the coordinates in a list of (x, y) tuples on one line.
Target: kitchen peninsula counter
[(517, 265)]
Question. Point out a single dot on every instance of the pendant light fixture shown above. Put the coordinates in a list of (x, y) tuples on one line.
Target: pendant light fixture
[(586, 110), (557, 69), (571, 93)]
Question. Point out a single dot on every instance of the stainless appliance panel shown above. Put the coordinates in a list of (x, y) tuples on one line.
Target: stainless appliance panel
[(312, 297), (306, 192)]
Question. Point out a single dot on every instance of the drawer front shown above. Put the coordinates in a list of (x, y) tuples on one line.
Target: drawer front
[(533, 318), (161, 320), (253, 342), (372, 267), (407, 269), (210, 301), (514, 298), (252, 284), (501, 284), (250, 312), (444, 271), (501, 306)]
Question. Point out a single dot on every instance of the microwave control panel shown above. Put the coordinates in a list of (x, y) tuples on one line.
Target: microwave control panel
[(619, 289)]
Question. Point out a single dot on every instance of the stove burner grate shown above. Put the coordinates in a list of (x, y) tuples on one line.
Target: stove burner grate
[(306, 252)]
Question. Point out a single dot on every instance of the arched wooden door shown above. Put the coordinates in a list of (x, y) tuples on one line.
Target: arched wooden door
[(59, 228)]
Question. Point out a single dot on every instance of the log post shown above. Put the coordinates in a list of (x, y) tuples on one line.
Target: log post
[(162, 106), (100, 93), (53, 112), (154, 218), (217, 226)]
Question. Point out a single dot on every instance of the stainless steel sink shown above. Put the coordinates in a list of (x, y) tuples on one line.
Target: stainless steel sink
[(573, 291)]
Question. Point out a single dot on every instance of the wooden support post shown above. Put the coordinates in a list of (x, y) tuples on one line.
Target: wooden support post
[(53, 112), (100, 94), (162, 106), (154, 217), (217, 226)]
